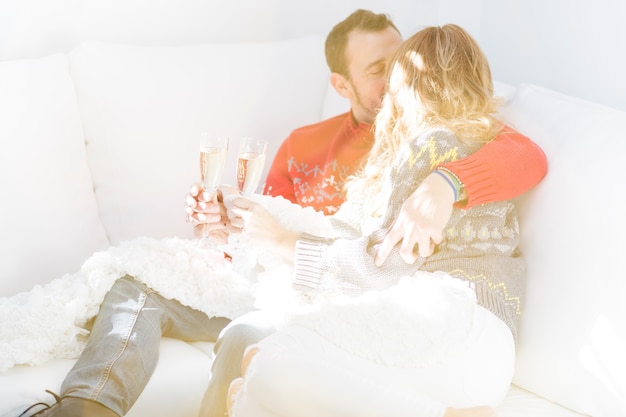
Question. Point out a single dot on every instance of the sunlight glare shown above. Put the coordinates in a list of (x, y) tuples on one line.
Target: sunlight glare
[(604, 356)]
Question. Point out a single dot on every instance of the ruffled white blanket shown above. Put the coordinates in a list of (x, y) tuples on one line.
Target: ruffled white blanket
[(422, 313), (48, 321)]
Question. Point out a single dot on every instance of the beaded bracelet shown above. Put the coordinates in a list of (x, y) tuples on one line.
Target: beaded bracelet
[(449, 181), (453, 180)]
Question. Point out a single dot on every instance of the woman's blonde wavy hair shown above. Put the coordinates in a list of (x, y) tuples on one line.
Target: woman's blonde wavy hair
[(439, 77)]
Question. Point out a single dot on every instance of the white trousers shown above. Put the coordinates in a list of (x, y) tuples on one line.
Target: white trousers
[(298, 373)]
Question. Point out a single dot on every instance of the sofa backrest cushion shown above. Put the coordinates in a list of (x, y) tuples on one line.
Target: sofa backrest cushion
[(573, 336), (144, 108), (49, 220)]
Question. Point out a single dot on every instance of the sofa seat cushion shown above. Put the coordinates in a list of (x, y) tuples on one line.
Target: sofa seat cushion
[(175, 389), (50, 222), (179, 381)]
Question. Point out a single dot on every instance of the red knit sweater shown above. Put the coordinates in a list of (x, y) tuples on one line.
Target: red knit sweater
[(312, 164)]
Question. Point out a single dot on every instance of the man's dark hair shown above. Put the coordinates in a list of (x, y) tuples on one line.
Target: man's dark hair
[(337, 39)]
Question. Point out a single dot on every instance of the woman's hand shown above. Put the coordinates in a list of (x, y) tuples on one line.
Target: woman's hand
[(207, 213), (420, 222), (261, 228)]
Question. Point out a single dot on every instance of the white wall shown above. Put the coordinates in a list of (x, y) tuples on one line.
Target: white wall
[(577, 47), (31, 28), (572, 46)]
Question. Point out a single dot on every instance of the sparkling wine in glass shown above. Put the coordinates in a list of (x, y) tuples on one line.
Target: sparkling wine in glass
[(250, 164), (213, 152)]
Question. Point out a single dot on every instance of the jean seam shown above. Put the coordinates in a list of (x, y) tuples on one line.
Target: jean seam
[(124, 344)]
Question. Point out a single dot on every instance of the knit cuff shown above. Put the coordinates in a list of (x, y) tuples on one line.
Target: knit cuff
[(307, 263), (479, 183)]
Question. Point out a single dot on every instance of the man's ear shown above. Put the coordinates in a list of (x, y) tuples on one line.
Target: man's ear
[(341, 85)]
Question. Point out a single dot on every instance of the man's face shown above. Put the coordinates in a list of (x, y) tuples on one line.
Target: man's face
[(368, 54)]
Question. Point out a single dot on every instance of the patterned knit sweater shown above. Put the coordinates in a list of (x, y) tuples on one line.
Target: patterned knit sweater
[(480, 245), (312, 164)]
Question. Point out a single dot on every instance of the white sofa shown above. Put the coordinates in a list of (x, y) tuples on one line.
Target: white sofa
[(99, 146)]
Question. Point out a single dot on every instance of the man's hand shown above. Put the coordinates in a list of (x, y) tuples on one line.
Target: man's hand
[(420, 222), (207, 213)]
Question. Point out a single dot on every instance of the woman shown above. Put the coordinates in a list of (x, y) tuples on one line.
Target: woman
[(439, 106)]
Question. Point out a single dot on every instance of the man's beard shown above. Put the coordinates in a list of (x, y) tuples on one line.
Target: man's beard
[(371, 111)]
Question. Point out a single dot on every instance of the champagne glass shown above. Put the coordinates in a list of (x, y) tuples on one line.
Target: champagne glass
[(213, 152), (250, 164)]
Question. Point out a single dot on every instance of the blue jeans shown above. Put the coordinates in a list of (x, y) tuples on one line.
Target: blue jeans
[(123, 347)]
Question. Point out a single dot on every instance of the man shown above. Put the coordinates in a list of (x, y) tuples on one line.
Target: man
[(312, 164), (114, 368)]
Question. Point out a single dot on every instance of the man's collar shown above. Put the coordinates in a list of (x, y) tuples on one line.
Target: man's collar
[(356, 125)]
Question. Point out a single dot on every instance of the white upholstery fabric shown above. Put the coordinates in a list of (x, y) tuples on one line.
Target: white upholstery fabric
[(144, 108), (521, 403), (181, 377), (49, 220), (573, 333)]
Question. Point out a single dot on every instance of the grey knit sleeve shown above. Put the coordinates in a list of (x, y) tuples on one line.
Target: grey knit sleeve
[(345, 265)]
